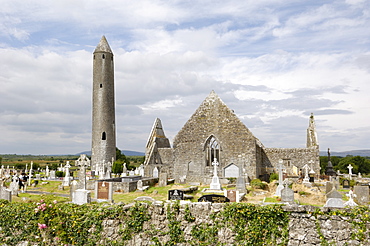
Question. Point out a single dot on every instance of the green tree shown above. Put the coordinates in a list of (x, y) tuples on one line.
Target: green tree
[(359, 164), (324, 163), (117, 167), (120, 156)]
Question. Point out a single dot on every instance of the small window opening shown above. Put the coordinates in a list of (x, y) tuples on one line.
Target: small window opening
[(101, 85), (103, 56), (104, 136)]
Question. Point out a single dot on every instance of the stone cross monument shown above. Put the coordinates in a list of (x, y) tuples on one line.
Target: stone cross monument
[(215, 184), (83, 162), (350, 171), (280, 186), (306, 179)]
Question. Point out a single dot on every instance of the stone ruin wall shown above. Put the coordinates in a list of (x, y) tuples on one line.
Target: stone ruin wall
[(336, 230), (297, 156)]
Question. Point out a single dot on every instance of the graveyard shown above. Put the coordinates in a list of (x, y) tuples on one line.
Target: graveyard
[(136, 210)]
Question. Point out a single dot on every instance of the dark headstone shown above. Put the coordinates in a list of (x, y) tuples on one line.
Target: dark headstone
[(103, 190), (231, 194), (213, 198), (175, 195), (346, 184)]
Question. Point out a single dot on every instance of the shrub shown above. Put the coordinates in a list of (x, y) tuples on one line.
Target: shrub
[(274, 176), (258, 184), (59, 174)]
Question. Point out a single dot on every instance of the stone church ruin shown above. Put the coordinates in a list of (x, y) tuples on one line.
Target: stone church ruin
[(214, 131)]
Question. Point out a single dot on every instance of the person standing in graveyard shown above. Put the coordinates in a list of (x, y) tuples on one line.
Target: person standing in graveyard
[(22, 180)]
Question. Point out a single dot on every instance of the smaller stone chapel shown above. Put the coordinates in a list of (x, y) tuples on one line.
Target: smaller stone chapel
[(214, 131)]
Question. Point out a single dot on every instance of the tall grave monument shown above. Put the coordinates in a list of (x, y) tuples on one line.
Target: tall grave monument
[(103, 147)]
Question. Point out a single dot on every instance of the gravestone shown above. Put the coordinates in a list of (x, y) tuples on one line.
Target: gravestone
[(175, 195), (280, 186), (145, 198), (231, 171), (73, 188), (131, 173), (5, 194), (328, 187), (232, 195), (350, 202), (214, 198), (66, 180), (215, 184), (287, 195), (14, 187), (124, 170), (81, 196), (334, 199), (38, 176), (333, 194), (346, 184), (52, 174), (104, 190), (362, 194), (163, 177), (334, 203), (155, 172)]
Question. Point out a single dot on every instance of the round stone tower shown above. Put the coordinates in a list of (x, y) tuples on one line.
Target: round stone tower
[(103, 147)]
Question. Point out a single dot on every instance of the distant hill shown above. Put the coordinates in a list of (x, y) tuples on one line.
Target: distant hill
[(365, 152), (125, 152)]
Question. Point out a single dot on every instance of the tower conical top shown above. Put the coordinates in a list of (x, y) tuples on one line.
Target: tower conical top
[(103, 46)]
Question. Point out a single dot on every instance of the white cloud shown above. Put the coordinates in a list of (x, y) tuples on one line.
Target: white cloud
[(272, 62)]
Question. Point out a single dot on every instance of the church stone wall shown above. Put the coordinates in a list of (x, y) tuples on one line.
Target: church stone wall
[(296, 156)]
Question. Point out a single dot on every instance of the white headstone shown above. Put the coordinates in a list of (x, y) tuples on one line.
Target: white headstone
[(81, 196), (231, 171), (66, 180), (155, 172)]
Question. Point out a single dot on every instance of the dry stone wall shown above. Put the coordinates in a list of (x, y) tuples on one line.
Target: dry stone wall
[(307, 226)]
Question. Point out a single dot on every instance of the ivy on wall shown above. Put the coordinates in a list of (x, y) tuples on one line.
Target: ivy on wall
[(50, 223)]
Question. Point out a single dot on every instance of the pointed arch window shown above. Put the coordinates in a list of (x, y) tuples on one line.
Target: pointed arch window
[(212, 150)]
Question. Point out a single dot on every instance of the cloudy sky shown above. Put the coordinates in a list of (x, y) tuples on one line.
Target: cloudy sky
[(272, 62)]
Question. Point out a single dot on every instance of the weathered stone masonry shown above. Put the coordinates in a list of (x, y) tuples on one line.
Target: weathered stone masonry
[(303, 226), (215, 131)]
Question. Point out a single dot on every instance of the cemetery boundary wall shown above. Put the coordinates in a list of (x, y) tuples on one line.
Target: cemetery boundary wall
[(172, 223), (307, 225)]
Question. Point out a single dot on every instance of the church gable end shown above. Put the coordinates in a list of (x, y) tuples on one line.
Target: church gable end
[(213, 131)]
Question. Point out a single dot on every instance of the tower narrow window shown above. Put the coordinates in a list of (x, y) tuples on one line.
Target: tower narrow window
[(212, 150), (103, 56), (104, 136), (101, 85)]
